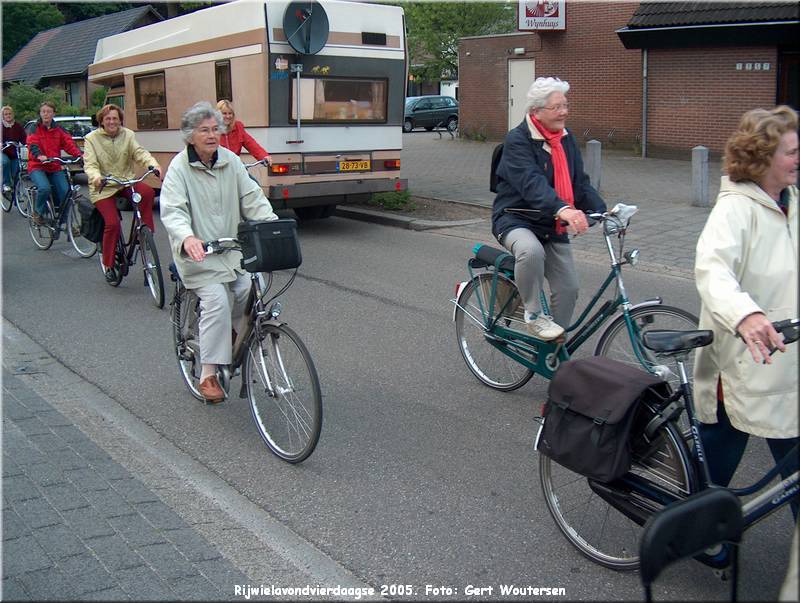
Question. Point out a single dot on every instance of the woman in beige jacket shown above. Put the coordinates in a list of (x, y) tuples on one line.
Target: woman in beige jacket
[(113, 149), (747, 277), (206, 193)]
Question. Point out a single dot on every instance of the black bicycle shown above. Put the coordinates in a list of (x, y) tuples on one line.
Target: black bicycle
[(279, 378), (140, 243), (47, 227), (18, 191)]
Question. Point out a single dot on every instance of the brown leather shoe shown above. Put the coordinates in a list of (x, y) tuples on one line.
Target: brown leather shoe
[(37, 219), (211, 390)]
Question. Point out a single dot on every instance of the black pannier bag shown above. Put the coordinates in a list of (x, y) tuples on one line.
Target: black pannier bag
[(92, 223), (589, 412), (269, 246)]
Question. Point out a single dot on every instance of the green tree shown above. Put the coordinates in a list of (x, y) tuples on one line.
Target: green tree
[(26, 99), (23, 20), (435, 27)]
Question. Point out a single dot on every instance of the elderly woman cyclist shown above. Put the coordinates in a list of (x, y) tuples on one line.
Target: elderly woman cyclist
[(746, 271), (206, 193), (234, 136), (12, 132), (113, 149), (540, 185)]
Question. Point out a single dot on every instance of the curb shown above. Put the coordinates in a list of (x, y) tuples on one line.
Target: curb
[(386, 219)]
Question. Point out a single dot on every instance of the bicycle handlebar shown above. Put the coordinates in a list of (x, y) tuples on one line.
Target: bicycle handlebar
[(70, 161), (109, 178), (255, 163), (218, 246), (789, 328)]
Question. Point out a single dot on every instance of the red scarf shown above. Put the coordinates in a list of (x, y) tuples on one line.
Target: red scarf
[(563, 184)]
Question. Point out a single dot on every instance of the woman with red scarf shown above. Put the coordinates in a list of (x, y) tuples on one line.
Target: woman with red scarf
[(541, 170)]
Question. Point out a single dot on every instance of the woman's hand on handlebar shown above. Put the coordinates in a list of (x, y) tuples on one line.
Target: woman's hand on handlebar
[(760, 337), (574, 219), (194, 248)]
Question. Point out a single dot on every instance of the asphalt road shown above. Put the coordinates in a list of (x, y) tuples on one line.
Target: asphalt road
[(422, 475)]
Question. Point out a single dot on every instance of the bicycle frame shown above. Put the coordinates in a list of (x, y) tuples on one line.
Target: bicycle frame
[(60, 217), (544, 357)]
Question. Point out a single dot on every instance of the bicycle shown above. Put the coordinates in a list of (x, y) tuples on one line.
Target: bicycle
[(19, 191), (279, 379), (490, 326), (604, 520), (66, 217), (140, 239)]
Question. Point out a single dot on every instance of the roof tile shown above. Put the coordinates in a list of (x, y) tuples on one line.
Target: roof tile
[(667, 14)]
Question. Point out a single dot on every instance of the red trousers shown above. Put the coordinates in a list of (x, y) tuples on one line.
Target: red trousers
[(108, 209)]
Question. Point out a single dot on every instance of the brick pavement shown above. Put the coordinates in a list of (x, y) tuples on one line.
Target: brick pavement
[(665, 229), (97, 505)]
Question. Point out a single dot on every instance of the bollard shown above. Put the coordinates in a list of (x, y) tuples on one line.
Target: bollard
[(700, 176), (592, 163)]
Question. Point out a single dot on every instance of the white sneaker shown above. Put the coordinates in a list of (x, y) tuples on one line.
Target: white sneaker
[(6, 188), (543, 327)]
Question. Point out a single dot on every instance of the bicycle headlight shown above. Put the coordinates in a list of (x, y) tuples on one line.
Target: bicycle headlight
[(632, 256)]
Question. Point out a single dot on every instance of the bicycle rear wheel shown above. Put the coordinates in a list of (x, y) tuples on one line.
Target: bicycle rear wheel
[(42, 234), (616, 343), (7, 201), (596, 527), (488, 363), (185, 337), (83, 246), (153, 277), (284, 392)]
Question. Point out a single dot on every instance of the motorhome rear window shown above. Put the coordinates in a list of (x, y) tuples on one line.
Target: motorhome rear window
[(340, 100), (151, 101)]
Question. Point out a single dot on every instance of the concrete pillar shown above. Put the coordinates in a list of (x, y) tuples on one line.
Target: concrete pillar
[(700, 196), (592, 162)]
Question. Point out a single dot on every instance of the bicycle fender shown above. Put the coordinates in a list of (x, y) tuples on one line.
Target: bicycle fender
[(459, 288), (653, 301)]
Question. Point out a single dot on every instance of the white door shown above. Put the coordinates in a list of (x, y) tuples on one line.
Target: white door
[(520, 77)]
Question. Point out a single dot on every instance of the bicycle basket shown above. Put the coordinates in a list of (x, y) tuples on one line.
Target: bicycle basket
[(269, 246)]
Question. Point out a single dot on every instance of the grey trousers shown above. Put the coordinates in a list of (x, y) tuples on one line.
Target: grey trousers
[(533, 262), (217, 315)]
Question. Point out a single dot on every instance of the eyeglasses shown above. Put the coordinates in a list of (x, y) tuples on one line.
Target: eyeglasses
[(557, 108)]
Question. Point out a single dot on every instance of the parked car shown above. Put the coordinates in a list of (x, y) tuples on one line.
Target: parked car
[(430, 112), (76, 126)]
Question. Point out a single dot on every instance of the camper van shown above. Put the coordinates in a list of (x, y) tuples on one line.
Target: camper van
[(320, 85)]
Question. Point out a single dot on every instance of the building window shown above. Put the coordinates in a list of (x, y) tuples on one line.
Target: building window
[(222, 75), (72, 93), (340, 100), (151, 101)]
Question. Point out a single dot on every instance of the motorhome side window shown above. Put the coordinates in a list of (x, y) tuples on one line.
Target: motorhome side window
[(151, 101), (340, 100), (222, 75)]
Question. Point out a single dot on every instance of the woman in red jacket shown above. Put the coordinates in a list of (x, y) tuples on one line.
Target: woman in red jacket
[(235, 137), (48, 140)]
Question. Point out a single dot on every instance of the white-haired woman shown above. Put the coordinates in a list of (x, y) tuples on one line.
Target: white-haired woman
[(541, 169), (206, 193)]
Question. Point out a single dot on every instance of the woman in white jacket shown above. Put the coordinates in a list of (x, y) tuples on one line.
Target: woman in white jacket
[(747, 276)]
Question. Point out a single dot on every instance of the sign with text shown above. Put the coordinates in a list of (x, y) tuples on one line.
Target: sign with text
[(542, 15)]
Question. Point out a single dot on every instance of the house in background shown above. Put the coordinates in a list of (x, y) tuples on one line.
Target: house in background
[(60, 57), (662, 77)]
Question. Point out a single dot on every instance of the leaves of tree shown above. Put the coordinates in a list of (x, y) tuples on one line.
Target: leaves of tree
[(23, 20), (435, 27)]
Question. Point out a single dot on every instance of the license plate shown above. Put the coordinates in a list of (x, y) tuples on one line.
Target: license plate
[(353, 166)]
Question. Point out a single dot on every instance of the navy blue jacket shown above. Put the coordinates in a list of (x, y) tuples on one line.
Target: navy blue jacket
[(525, 180)]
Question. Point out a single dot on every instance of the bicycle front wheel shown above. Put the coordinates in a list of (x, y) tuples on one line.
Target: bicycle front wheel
[(153, 277), (185, 338), (487, 362), (23, 195), (83, 246), (42, 234), (595, 523), (284, 392), (616, 343)]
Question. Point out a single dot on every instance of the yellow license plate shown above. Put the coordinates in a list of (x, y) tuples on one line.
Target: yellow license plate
[(353, 166)]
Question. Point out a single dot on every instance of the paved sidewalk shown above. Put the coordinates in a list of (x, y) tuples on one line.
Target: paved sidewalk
[(665, 229), (98, 506)]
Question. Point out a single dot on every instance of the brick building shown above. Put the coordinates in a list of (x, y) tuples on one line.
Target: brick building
[(664, 75)]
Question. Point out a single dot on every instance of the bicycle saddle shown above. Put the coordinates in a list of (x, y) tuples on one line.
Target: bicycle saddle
[(675, 342)]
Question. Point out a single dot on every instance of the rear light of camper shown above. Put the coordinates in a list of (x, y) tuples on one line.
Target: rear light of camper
[(392, 164), (280, 169)]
